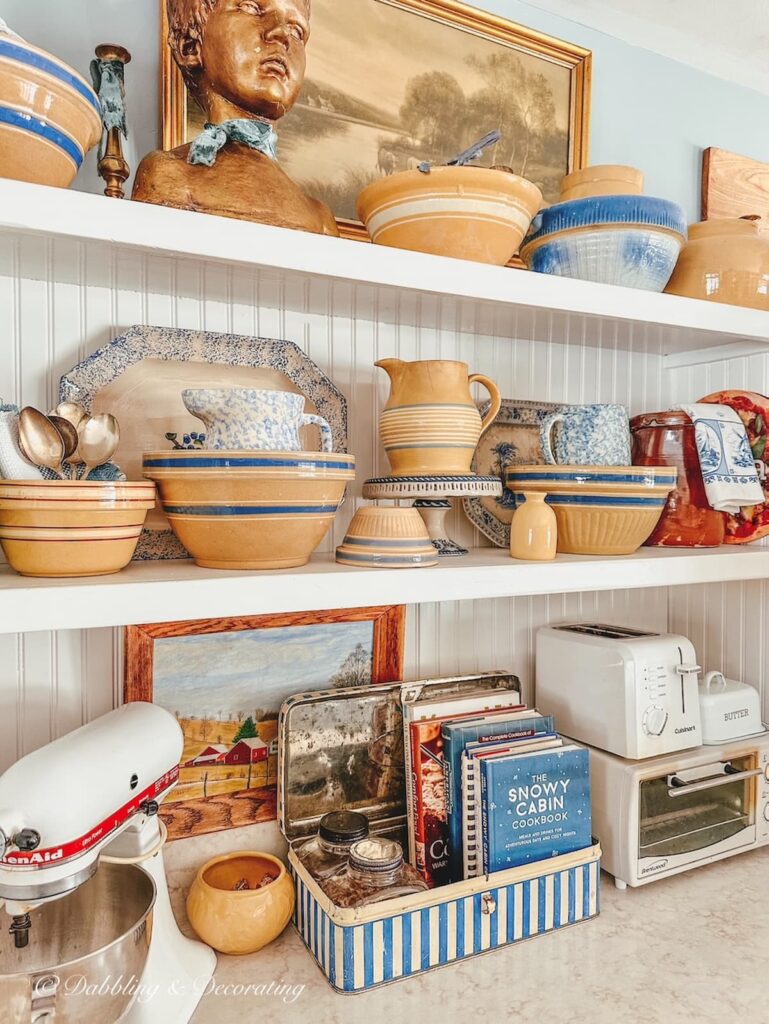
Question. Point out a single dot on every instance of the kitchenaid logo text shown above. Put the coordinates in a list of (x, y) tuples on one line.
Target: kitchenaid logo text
[(730, 716), (34, 858)]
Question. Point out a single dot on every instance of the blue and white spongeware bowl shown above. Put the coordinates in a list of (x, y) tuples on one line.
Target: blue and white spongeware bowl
[(600, 510), (632, 241), (49, 115)]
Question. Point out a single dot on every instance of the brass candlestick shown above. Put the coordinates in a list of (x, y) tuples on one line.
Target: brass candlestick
[(112, 166)]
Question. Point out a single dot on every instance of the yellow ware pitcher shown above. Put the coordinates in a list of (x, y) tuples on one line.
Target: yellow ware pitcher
[(430, 425)]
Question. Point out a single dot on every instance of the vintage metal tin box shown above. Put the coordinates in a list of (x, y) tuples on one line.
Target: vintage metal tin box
[(344, 749)]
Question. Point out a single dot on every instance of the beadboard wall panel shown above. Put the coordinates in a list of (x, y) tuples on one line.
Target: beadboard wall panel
[(725, 622), (60, 301)]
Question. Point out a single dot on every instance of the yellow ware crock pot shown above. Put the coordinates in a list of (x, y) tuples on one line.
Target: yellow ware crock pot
[(240, 921), (724, 261)]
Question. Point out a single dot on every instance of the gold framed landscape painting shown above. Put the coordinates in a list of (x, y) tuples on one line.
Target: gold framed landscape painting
[(391, 83)]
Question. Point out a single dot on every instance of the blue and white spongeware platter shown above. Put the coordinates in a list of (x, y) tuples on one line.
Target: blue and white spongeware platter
[(140, 375), (632, 241)]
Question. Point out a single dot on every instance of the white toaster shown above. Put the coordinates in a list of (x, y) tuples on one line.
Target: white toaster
[(632, 693)]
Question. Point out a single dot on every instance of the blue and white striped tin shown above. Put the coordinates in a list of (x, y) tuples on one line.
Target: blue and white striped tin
[(360, 949)]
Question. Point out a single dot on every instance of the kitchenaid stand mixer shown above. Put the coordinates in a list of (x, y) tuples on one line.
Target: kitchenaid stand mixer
[(90, 797)]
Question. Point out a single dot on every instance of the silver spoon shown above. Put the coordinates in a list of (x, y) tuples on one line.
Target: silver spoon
[(68, 436), (98, 438), (73, 413), (70, 411), (40, 441)]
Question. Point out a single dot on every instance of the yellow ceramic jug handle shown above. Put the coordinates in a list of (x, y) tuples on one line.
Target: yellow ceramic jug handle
[(496, 399)]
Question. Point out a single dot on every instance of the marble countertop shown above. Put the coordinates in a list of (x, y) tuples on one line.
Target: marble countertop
[(684, 950)]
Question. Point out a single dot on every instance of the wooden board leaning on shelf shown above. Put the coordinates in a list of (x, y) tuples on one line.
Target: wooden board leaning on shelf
[(734, 186)]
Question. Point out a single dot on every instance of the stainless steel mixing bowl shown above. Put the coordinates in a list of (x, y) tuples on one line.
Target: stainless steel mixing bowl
[(86, 952)]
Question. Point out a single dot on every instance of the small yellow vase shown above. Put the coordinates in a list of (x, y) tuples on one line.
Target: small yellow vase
[(534, 530), (240, 921)]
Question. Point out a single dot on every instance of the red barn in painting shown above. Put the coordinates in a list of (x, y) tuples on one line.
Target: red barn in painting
[(248, 751), (210, 755)]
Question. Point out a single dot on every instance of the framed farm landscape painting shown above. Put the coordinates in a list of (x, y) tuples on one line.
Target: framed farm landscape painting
[(225, 680), (391, 83)]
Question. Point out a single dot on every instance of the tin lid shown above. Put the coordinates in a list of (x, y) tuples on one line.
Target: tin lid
[(376, 855), (668, 418), (342, 750), (341, 827)]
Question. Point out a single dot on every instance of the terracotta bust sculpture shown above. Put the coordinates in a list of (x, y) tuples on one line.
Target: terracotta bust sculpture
[(244, 61)]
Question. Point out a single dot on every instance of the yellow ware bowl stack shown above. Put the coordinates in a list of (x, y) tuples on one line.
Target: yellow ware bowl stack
[(600, 510), (250, 509), (72, 527), (601, 180), (472, 213)]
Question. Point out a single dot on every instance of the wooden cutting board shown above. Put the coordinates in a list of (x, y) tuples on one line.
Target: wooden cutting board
[(734, 186)]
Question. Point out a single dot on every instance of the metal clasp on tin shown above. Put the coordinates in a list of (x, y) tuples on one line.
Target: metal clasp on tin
[(489, 904)]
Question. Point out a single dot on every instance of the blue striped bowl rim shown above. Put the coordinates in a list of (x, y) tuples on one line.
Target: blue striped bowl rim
[(29, 123), (33, 58), (394, 561), (635, 211), (642, 478), (248, 510), (375, 542), (306, 461), (610, 501)]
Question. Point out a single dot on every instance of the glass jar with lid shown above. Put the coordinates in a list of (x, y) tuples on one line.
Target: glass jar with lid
[(328, 851), (374, 872)]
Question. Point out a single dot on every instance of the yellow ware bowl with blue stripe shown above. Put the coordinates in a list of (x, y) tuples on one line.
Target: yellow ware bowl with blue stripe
[(250, 509), (600, 510), (50, 116), (385, 537)]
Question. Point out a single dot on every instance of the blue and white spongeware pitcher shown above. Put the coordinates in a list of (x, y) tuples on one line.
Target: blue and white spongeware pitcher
[(586, 435), (247, 419)]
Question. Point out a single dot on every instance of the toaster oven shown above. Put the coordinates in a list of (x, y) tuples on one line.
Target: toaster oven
[(675, 812)]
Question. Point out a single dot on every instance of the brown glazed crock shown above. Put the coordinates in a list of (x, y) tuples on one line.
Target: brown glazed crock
[(688, 521)]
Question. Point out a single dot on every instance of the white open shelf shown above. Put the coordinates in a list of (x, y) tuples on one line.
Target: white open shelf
[(162, 591), (303, 271)]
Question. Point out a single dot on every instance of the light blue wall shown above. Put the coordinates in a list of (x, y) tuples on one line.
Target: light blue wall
[(647, 110), (654, 113)]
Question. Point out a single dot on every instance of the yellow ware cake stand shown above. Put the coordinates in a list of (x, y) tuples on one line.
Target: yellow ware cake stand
[(432, 497)]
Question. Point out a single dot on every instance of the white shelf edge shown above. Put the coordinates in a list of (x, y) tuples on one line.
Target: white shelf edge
[(174, 591), (60, 213)]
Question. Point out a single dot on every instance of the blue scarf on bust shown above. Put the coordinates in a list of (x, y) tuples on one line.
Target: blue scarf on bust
[(254, 134)]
